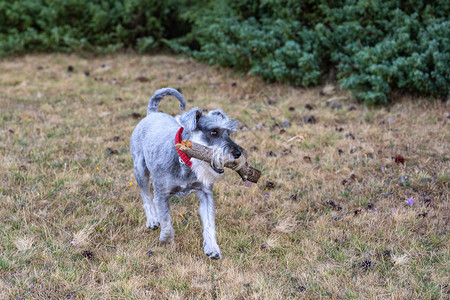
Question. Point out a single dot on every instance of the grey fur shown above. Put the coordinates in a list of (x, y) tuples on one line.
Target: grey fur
[(152, 148), (189, 119), (161, 93)]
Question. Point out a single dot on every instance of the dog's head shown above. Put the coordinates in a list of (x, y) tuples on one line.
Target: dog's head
[(213, 130)]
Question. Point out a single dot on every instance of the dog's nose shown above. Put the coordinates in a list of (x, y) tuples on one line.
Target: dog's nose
[(236, 153)]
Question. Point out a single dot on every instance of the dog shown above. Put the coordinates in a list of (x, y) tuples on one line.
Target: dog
[(155, 158)]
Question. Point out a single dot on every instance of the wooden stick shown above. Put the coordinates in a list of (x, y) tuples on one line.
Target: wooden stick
[(204, 153)]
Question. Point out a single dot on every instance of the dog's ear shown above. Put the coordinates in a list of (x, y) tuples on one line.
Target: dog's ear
[(224, 121), (234, 126), (220, 113), (190, 118)]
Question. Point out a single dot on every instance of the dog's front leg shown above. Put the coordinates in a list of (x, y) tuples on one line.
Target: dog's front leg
[(207, 215), (162, 206)]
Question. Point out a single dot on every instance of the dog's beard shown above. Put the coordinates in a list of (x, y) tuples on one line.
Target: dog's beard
[(208, 173), (223, 155), (205, 174), (218, 159), (203, 170)]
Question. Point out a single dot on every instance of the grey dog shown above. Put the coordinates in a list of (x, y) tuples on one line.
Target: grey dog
[(155, 158)]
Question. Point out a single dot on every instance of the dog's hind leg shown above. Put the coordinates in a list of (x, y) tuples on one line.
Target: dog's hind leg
[(162, 206), (207, 215), (142, 177)]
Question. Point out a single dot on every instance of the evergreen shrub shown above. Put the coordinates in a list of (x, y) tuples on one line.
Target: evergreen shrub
[(88, 25), (375, 46)]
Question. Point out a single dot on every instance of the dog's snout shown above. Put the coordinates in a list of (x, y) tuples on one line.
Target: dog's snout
[(236, 153)]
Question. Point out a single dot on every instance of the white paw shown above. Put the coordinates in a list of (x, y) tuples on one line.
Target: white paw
[(167, 236), (153, 225), (212, 250)]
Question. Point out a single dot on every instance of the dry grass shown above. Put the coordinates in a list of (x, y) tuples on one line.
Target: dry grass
[(72, 223)]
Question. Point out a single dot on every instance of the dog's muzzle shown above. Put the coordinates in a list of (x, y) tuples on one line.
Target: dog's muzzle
[(236, 153), (227, 153)]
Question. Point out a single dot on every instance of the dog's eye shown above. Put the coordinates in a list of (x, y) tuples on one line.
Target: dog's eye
[(214, 133)]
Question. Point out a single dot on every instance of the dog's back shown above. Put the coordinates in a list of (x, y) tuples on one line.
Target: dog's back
[(151, 137)]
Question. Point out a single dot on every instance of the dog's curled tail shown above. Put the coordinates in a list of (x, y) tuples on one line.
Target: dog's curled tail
[(161, 93)]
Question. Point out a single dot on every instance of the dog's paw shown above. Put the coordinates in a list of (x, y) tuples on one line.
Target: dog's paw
[(167, 236), (152, 225), (212, 251)]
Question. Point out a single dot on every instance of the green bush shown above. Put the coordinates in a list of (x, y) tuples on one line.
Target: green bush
[(87, 25), (375, 46)]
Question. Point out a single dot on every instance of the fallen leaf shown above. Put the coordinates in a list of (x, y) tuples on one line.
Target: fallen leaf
[(142, 79), (399, 159), (112, 151), (310, 119), (271, 154), (350, 136), (136, 115), (88, 254), (270, 184), (334, 206)]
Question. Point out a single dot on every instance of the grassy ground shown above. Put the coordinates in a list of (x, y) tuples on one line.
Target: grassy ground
[(329, 217)]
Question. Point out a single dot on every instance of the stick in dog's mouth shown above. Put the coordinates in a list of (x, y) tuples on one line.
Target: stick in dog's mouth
[(204, 153)]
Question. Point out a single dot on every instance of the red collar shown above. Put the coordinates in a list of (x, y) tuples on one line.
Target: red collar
[(182, 155)]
